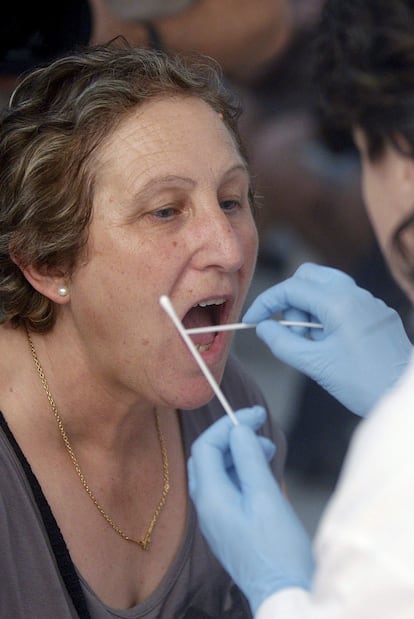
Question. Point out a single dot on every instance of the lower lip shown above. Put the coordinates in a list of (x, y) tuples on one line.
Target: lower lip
[(217, 349)]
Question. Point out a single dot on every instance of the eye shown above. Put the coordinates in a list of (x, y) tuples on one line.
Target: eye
[(230, 205), (167, 212)]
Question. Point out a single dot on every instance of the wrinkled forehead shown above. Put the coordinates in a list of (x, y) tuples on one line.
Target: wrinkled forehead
[(166, 134)]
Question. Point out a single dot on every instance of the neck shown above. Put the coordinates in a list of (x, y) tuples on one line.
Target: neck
[(82, 401)]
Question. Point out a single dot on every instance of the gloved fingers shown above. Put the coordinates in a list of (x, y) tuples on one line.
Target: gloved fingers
[(300, 316), (268, 448), (210, 461), (209, 480), (207, 469), (217, 435), (252, 416), (293, 293), (319, 274), (266, 305), (313, 289), (250, 463), (291, 348), (296, 315)]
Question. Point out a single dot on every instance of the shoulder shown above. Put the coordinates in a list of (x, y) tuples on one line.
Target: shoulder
[(11, 474)]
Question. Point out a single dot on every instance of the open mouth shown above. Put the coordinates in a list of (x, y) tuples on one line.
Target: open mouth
[(205, 314)]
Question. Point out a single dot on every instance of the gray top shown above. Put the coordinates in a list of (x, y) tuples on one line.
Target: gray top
[(38, 578)]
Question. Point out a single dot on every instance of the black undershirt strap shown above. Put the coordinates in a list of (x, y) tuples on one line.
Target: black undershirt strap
[(60, 550)]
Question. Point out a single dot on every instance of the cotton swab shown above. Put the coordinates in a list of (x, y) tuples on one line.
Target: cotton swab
[(169, 309), (245, 325)]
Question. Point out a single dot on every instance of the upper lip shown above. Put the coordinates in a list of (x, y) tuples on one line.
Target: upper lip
[(216, 296)]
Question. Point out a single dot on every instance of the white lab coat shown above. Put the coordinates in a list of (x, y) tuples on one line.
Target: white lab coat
[(364, 545)]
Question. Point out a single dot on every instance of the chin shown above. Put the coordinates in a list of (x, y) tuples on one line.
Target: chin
[(196, 398), (193, 394)]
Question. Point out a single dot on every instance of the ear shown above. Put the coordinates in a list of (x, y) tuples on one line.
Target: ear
[(51, 282)]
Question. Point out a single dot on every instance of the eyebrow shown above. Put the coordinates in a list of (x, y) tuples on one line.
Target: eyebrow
[(162, 182)]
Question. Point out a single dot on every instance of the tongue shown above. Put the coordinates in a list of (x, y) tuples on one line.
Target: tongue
[(199, 317)]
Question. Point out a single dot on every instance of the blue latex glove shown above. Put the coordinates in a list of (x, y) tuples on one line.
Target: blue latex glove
[(250, 526), (363, 348)]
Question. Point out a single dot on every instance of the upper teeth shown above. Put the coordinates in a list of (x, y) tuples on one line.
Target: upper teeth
[(210, 302)]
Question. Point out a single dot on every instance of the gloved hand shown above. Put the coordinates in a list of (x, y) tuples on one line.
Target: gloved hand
[(250, 526), (360, 353)]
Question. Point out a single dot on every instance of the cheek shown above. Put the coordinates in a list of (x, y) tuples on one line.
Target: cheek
[(250, 244), (368, 194), (375, 200), (254, 247)]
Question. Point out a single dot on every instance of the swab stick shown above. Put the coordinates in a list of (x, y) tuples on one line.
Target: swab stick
[(245, 325), (168, 307)]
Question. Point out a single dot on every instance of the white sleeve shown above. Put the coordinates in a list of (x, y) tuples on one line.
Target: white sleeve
[(287, 604), (364, 547)]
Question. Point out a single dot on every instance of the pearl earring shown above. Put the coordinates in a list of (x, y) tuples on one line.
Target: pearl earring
[(63, 291)]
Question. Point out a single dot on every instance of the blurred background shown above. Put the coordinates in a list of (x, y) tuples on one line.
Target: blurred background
[(306, 174)]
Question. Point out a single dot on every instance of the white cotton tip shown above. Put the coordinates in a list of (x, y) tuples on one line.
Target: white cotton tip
[(166, 304)]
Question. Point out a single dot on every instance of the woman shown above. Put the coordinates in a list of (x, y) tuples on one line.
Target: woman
[(122, 179), (364, 548)]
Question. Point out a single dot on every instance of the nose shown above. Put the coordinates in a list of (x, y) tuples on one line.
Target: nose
[(218, 241)]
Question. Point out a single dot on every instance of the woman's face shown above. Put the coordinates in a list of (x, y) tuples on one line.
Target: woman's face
[(388, 192), (170, 216)]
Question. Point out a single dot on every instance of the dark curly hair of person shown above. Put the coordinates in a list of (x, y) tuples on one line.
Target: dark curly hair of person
[(365, 67), (364, 71)]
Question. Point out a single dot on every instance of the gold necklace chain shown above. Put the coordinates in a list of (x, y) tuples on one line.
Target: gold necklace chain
[(146, 540)]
